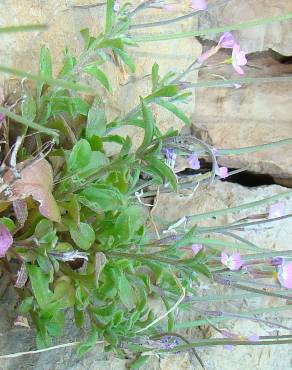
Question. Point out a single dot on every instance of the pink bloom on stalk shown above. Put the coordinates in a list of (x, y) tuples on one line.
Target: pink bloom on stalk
[(222, 172), (227, 40), (238, 59), (233, 262), (2, 117), (196, 248), (276, 210), (285, 275), (194, 162), (199, 4), (6, 240)]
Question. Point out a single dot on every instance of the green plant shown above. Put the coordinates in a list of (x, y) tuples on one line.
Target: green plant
[(82, 236)]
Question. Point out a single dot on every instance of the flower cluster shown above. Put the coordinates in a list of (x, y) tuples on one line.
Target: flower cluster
[(227, 41)]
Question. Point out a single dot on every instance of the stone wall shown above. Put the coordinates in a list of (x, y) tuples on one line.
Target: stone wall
[(225, 117)]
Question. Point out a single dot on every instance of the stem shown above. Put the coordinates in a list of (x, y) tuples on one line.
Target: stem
[(243, 25), (177, 19)]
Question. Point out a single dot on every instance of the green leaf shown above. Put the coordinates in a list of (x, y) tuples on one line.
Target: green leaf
[(96, 72), (28, 107), (79, 156), (111, 43), (84, 236), (45, 68), (79, 317), (129, 221), (89, 343), (64, 293), (126, 59), (163, 170), (174, 109), (24, 28), (69, 64), (96, 120), (28, 123), (127, 294), (99, 198), (8, 223), (109, 16), (155, 76), (166, 91), (50, 81), (97, 160), (149, 126), (56, 325), (26, 305), (40, 285)]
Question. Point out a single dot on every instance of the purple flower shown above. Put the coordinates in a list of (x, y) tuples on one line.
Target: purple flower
[(238, 59), (276, 210), (285, 275), (227, 40), (116, 6), (233, 262), (277, 261), (196, 248), (6, 240), (253, 338), (199, 4), (194, 162), (222, 172), (2, 117), (170, 157), (170, 154)]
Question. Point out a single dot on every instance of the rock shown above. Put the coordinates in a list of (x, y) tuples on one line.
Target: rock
[(224, 195), (66, 18), (254, 114), (276, 36)]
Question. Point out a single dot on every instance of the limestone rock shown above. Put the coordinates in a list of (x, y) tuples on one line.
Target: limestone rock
[(224, 195), (254, 114), (276, 36)]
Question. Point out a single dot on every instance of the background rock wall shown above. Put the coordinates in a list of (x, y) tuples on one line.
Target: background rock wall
[(226, 117)]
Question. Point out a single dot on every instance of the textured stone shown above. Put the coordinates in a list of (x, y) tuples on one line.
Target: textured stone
[(66, 18), (276, 36), (225, 195), (255, 114)]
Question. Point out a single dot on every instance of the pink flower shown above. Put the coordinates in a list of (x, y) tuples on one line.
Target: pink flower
[(196, 248), (238, 59), (276, 210), (6, 240), (194, 162), (199, 4), (233, 262), (227, 40), (222, 172), (2, 117), (285, 275)]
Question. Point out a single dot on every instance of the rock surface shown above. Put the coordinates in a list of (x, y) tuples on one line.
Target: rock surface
[(219, 196), (66, 18), (254, 114), (276, 36)]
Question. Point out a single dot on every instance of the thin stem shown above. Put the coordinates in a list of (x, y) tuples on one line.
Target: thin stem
[(238, 26)]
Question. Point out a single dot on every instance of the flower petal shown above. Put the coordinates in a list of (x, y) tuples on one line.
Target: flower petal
[(6, 240), (227, 40)]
